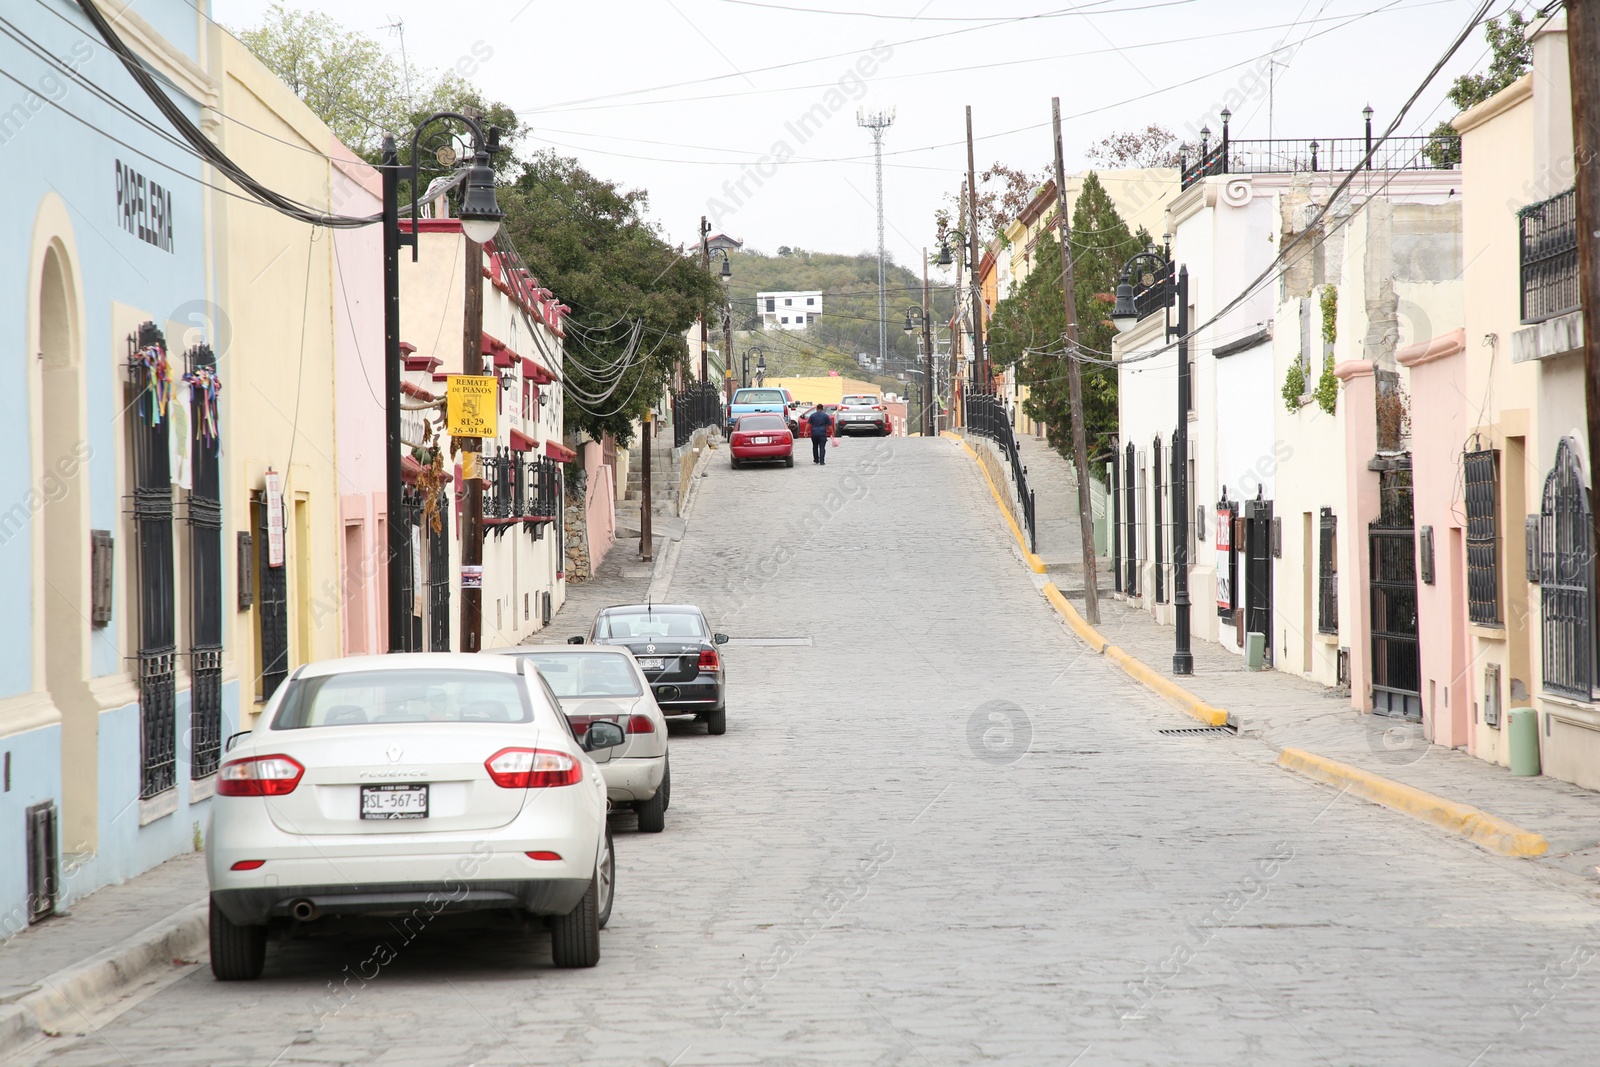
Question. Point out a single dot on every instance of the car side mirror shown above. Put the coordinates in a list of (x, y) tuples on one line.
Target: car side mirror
[(574, 640), (720, 639), (602, 737)]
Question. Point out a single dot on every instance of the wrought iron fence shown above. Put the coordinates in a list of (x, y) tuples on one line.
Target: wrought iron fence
[(1332, 154), (1482, 474), (697, 406), (1548, 245), (152, 516), (522, 490), (987, 415), (205, 569)]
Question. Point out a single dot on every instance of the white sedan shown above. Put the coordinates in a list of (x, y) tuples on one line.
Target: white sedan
[(598, 684), (402, 786)]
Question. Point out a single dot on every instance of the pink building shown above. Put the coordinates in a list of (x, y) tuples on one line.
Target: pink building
[(359, 408)]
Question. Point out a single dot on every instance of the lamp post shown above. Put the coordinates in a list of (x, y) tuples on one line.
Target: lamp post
[(760, 352), (979, 377), (1158, 289), (480, 216), (706, 252)]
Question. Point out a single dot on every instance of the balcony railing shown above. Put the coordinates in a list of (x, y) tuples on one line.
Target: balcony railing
[(1330, 155), (1548, 248)]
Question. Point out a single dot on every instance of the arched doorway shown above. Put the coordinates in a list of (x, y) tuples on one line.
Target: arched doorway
[(63, 531)]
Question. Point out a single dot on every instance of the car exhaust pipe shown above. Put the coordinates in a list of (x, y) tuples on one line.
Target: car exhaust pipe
[(303, 910)]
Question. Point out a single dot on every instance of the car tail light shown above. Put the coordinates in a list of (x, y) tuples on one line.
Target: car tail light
[(709, 660), (579, 724), (543, 855), (532, 768), (640, 724), (259, 776), (247, 865)]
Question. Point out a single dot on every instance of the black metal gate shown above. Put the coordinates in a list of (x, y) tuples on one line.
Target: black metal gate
[(1115, 497), (205, 569), (410, 579), (1130, 512), (439, 580), (1392, 542), (149, 381), (1566, 576), (1258, 572), (1156, 511), (1227, 558), (273, 609), (700, 404)]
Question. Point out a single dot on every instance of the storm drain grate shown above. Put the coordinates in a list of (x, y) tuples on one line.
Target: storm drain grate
[(1186, 731), (769, 640)]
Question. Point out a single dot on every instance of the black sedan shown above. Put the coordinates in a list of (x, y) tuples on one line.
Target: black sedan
[(677, 652)]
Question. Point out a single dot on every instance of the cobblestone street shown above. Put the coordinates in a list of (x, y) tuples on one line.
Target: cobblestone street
[(938, 831)]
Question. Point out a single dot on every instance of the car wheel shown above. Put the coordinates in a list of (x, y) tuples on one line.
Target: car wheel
[(575, 937), (734, 462), (238, 953), (653, 812), (666, 786), (788, 461), (606, 875), (717, 721)]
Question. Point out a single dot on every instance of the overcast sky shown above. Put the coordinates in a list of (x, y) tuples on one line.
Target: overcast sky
[(689, 98)]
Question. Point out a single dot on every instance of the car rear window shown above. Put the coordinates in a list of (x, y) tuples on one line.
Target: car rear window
[(575, 674), (758, 396), (650, 624), (859, 401), (408, 696), (762, 422)]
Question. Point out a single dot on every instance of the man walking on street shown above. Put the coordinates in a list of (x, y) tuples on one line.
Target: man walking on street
[(820, 422)]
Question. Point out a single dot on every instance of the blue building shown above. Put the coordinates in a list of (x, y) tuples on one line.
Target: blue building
[(115, 692)]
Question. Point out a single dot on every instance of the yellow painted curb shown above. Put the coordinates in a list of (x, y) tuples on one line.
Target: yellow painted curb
[(1482, 829), (1035, 564), (1150, 678), (1074, 620)]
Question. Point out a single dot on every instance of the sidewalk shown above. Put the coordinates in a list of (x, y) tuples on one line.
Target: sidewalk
[(1284, 711)]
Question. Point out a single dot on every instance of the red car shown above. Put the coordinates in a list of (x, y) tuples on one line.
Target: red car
[(761, 437)]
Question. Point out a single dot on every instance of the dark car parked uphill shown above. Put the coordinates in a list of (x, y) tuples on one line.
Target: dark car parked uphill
[(676, 651)]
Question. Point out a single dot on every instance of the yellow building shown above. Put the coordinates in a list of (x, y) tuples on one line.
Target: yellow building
[(274, 292), (825, 389)]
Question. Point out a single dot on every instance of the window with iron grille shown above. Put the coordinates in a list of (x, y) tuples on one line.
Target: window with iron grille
[(1328, 574), (1566, 575), (1482, 469), (205, 567), (272, 607), (1548, 252), (150, 382)]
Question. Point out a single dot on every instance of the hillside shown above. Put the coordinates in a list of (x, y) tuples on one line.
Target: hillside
[(849, 321)]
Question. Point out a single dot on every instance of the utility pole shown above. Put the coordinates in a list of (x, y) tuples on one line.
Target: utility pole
[(471, 454), (727, 349), (647, 545), (928, 391), (1583, 62), (877, 122), (1080, 447), (398, 534), (705, 265), (980, 364)]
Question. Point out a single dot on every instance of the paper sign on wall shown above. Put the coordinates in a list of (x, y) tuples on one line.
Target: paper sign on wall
[(472, 405), (274, 519)]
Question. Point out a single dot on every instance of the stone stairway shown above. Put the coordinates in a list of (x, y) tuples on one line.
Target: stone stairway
[(664, 471), (1055, 492)]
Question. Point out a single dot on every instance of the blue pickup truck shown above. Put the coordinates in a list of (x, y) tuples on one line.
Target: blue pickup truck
[(774, 401)]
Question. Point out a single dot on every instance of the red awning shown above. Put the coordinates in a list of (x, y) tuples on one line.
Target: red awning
[(557, 451), (537, 373), (521, 442)]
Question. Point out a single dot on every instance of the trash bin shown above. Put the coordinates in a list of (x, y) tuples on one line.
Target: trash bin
[(1522, 741)]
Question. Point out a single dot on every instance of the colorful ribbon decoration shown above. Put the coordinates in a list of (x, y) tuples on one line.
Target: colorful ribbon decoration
[(204, 381), (159, 388)]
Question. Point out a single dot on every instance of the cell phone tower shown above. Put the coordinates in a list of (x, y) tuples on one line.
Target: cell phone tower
[(877, 122)]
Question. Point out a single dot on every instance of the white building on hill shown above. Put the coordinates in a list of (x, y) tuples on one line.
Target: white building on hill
[(789, 311)]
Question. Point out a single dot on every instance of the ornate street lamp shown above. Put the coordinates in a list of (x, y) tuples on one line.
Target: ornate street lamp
[(1157, 289)]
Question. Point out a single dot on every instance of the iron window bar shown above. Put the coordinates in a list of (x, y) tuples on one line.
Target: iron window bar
[(1482, 475), (150, 380), (1547, 245), (205, 564), (1327, 574)]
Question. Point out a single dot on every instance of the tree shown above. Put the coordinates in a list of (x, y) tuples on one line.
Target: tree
[(349, 82), (1003, 192), (1511, 54), (1153, 146), (586, 239), (1028, 329)]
